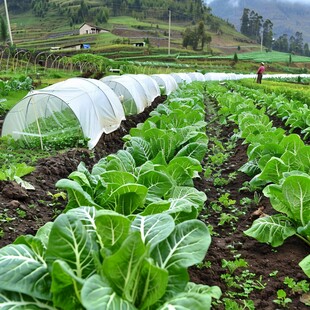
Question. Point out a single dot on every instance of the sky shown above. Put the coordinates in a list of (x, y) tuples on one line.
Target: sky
[(236, 2)]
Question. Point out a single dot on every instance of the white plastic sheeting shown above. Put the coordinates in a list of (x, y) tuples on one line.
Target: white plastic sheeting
[(165, 82), (130, 91), (64, 108), (88, 108), (197, 76), (150, 87), (181, 77)]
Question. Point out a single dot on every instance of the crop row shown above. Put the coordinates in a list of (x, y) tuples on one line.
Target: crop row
[(130, 229), (295, 113), (278, 163)]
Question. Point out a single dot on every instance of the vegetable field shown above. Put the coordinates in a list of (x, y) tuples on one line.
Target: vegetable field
[(201, 201)]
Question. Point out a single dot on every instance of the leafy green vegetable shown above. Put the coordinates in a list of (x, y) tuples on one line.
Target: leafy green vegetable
[(93, 259)]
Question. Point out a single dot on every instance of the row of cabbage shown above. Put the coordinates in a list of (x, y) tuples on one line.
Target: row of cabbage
[(130, 229), (278, 163), (294, 113)]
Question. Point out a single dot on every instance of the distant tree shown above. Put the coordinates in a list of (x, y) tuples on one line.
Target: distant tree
[(292, 44), (190, 38), (214, 25), (251, 23), (267, 33), (40, 7), (306, 50), (245, 22), (102, 15), (82, 12), (255, 25), (3, 30), (236, 57), (281, 44), (299, 44), (195, 35), (201, 33)]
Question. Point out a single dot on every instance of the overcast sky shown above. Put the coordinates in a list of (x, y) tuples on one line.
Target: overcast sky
[(236, 2)]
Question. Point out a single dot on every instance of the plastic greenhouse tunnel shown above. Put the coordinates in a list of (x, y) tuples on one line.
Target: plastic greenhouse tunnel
[(131, 93), (67, 111)]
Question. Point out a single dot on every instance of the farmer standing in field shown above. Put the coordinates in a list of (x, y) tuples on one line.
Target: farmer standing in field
[(260, 72)]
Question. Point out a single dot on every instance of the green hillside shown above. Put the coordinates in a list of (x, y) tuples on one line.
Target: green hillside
[(56, 27)]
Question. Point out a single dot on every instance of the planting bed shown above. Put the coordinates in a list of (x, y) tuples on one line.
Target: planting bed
[(267, 266)]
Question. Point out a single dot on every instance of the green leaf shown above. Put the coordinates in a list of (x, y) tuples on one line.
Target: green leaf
[(157, 183), (70, 242), (118, 177), (112, 228), (188, 301), (66, 286), (156, 207), (273, 170), (121, 161), (152, 283), (194, 150), (183, 198), (153, 228), (213, 291), (140, 150), (271, 229), (186, 246), (122, 268), (11, 300), (24, 183), (162, 140), (126, 198), (77, 195), (292, 143), (183, 169), (296, 191), (305, 265), (23, 271), (97, 294)]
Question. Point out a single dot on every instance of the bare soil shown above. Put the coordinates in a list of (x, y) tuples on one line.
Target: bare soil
[(39, 207)]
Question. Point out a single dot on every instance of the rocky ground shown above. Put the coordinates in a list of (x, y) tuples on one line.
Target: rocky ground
[(23, 212)]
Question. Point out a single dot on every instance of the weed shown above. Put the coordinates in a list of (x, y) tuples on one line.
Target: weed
[(218, 181), (233, 265), (231, 304), (273, 273), (297, 287), (282, 300), (227, 218), (246, 201), (4, 218), (226, 201), (21, 213), (248, 187), (206, 264)]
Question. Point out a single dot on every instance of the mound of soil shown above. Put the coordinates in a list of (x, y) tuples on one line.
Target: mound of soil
[(23, 212)]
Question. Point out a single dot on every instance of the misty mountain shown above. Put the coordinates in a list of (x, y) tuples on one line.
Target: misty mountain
[(287, 17)]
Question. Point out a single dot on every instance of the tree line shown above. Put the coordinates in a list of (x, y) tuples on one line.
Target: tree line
[(83, 10), (254, 26)]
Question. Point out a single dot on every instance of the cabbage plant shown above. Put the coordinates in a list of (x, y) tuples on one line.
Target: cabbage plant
[(291, 199), (89, 259)]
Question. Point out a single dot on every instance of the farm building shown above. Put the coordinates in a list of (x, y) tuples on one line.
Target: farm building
[(90, 29)]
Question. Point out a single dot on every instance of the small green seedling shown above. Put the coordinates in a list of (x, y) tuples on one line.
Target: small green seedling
[(282, 299)]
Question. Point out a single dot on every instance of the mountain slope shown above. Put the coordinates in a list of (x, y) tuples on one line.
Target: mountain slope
[(55, 29), (287, 18)]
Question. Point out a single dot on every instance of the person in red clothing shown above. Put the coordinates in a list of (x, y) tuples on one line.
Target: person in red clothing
[(260, 72)]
